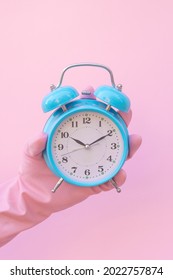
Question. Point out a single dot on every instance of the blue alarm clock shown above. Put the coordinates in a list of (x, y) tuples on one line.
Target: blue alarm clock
[(87, 138)]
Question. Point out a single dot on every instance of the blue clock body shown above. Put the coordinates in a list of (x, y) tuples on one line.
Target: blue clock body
[(88, 140)]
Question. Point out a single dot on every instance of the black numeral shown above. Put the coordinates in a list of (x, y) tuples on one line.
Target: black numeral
[(65, 159), (109, 158), (74, 168), (74, 124), (87, 172), (113, 146), (160, 270), (100, 168), (87, 120), (60, 147), (64, 134), (110, 132)]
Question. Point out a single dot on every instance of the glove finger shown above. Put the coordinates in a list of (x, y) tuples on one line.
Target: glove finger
[(134, 143), (126, 116), (120, 179)]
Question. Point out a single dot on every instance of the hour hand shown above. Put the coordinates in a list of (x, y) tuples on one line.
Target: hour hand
[(78, 141)]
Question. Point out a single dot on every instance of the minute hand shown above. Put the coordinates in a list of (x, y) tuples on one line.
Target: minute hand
[(99, 139)]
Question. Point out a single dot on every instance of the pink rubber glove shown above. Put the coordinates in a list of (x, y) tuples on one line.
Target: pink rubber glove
[(27, 199)]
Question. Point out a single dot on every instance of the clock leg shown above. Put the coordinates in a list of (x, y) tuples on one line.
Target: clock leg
[(115, 185), (57, 185)]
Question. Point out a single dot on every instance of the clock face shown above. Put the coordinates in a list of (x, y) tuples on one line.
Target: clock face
[(87, 148)]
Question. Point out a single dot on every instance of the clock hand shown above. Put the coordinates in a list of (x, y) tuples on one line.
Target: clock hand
[(99, 139), (78, 141), (73, 151), (76, 150)]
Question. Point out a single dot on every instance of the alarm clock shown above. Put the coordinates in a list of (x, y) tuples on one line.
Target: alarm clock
[(87, 140)]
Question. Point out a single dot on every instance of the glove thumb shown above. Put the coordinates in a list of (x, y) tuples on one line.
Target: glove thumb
[(36, 145)]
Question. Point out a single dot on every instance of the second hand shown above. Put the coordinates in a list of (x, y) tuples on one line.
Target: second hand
[(86, 148)]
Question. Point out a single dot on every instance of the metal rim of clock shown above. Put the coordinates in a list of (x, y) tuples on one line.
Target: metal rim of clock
[(87, 64)]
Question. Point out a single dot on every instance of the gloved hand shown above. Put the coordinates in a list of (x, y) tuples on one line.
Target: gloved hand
[(27, 199)]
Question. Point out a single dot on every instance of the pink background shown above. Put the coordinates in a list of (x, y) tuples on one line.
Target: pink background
[(38, 38)]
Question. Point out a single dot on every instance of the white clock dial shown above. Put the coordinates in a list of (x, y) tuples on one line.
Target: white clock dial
[(87, 147)]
